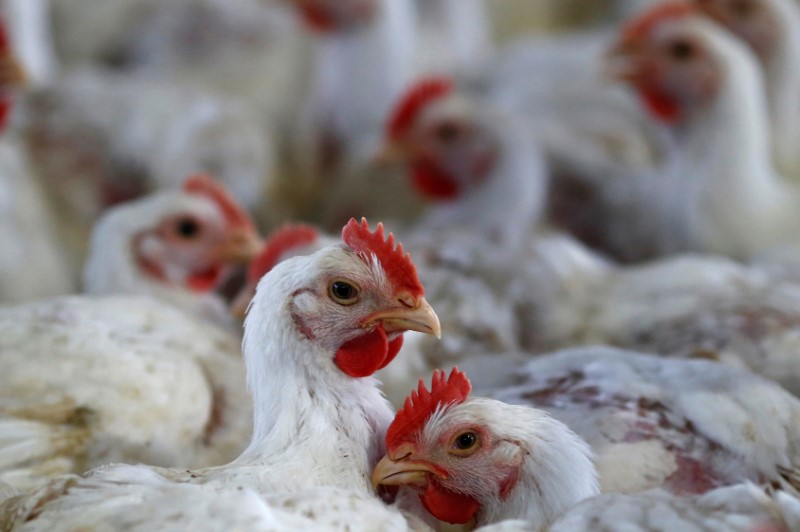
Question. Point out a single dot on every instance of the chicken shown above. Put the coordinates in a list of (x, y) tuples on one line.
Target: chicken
[(516, 468), (175, 245), (318, 329), (87, 380), (706, 85), (772, 29), (481, 461), (476, 163), (32, 258), (687, 426)]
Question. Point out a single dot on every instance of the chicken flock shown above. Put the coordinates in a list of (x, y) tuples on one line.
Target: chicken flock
[(592, 321)]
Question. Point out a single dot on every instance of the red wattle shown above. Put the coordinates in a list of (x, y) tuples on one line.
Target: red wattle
[(363, 356), (663, 107), (434, 183), (206, 280), (394, 348), (5, 111), (448, 506)]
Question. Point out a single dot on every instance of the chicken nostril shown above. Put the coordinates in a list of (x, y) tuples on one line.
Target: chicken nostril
[(407, 301)]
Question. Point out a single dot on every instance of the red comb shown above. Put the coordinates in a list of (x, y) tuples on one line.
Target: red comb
[(414, 101), (421, 404), (288, 237), (397, 264), (203, 185), (641, 25)]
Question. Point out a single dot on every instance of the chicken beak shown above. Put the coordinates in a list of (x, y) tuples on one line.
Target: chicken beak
[(389, 154), (621, 63), (241, 246), (421, 318), (402, 471), (241, 302), (12, 73)]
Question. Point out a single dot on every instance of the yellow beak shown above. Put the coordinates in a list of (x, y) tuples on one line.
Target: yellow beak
[(421, 318), (401, 471), (241, 246)]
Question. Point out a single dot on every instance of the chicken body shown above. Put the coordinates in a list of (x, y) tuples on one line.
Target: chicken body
[(687, 426)]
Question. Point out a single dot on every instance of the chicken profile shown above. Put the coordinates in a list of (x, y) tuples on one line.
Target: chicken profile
[(480, 461), (176, 245), (317, 330)]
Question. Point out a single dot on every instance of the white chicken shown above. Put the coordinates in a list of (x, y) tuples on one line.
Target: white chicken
[(772, 29), (480, 461), (479, 165), (504, 467), (318, 328), (177, 246), (85, 382), (706, 84)]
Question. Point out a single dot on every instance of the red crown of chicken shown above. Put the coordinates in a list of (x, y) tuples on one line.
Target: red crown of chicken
[(282, 240), (395, 262), (411, 104), (641, 25), (420, 405), (203, 185)]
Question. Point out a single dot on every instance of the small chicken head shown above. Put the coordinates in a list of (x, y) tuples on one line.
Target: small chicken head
[(664, 55), (356, 300), (759, 22), (336, 15), (285, 242), (196, 237), (480, 460), (443, 135)]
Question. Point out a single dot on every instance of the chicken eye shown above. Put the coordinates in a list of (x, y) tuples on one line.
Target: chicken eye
[(187, 228), (681, 50), (741, 8), (447, 132), (465, 444), (343, 292)]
